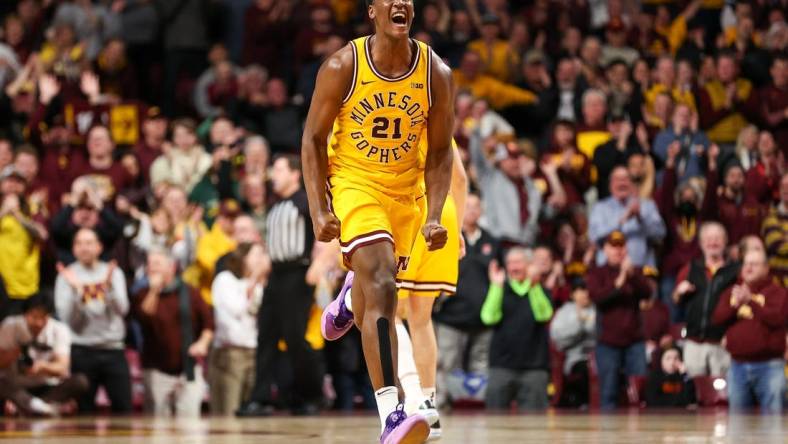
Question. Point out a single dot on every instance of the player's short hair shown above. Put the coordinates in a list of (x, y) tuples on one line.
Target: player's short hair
[(369, 2)]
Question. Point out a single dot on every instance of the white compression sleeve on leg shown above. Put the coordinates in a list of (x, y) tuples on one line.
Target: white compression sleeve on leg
[(407, 372)]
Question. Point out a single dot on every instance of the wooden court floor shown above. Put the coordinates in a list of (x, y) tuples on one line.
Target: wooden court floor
[(476, 428)]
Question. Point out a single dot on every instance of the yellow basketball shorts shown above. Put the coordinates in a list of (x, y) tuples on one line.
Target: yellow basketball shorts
[(368, 216), (432, 273)]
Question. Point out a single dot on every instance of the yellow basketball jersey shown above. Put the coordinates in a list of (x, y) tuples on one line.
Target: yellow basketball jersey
[(377, 133)]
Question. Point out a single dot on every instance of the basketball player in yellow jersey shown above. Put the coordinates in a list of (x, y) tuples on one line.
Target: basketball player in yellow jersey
[(377, 98), (430, 274)]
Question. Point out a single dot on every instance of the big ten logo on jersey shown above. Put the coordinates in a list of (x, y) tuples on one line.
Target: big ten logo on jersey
[(416, 85), (389, 126), (402, 263)]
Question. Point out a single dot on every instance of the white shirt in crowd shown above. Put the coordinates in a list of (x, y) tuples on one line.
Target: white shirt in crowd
[(54, 340), (235, 313)]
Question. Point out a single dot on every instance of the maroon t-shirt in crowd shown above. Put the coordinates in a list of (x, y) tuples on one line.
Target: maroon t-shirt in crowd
[(162, 330), (756, 329), (618, 309), (110, 180), (145, 156), (775, 100), (739, 217)]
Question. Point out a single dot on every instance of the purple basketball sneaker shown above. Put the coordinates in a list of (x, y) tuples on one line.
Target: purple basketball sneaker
[(337, 319), (403, 429)]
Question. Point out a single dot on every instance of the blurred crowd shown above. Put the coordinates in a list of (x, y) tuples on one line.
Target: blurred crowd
[(629, 197)]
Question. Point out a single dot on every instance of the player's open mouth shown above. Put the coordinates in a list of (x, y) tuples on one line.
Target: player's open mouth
[(399, 18)]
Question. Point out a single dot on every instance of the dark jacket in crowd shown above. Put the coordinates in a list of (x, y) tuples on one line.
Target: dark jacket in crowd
[(699, 304), (519, 342), (618, 310), (755, 330), (461, 311)]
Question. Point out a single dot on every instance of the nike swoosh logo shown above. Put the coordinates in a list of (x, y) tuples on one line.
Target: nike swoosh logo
[(367, 82)]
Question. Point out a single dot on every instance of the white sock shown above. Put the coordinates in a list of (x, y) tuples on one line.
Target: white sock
[(387, 399), (41, 407), (430, 394), (407, 371), (348, 300)]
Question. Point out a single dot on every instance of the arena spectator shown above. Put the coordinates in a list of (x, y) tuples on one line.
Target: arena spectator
[(90, 298), (616, 289), (680, 209), (700, 286), (753, 314), (666, 83), (21, 238), (569, 89), (118, 78), (257, 156), (177, 329), (642, 173), (239, 291), (621, 91), (185, 162), (217, 87), (668, 385), (727, 103), (458, 328), (494, 51), (244, 231), (153, 231), (655, 316), (139, 31), (591, 130), (615, 152), (616, 47), (574, 168), (253, 199), (281, 124), (101, 170), (152, 143), (85, 209), (774, 102), (746, 150), (775, 235), (762, 181), (94, 23), (35, 353), (185, 35), (738, 213), (624, 211), (511, 200), (573, 331), (693, 143), (498, 94), (519, 309), (187, 225), (213, 245)]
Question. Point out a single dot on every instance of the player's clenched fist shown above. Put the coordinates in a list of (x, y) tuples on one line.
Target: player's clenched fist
[(326, 227), (435, 235)]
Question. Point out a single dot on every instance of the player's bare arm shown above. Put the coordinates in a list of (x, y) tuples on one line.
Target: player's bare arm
[(438, 169), (333, 81)]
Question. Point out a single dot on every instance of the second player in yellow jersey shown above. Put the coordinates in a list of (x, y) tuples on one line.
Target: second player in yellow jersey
[(432, 273)]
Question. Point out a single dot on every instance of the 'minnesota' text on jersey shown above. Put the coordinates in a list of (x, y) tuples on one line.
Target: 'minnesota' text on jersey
[(376, 135)]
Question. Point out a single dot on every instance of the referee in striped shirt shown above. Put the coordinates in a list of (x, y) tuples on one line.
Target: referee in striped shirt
[(288, 299)]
